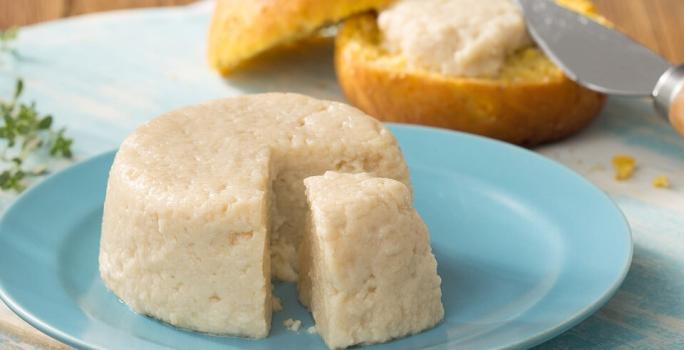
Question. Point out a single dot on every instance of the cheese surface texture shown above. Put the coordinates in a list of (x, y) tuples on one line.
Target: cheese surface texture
[(458, 38), (204, 202), (367, 270)]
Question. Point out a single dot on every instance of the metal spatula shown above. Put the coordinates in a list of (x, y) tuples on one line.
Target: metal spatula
[(605, 60)]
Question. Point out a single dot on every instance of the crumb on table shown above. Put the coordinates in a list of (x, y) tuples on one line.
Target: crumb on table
[(624, 166), (292, 325), (276, 304), (312, 330), (661, 181)]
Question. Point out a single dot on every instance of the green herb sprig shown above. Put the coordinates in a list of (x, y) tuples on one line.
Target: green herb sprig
[(25, 132)]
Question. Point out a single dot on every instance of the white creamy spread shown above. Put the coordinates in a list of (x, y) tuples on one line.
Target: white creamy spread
[(460, 38)]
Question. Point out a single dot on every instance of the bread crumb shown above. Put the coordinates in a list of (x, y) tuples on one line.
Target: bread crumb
[(312, 330), (276, 304), (292, 325), (661, 182), (624, 166)]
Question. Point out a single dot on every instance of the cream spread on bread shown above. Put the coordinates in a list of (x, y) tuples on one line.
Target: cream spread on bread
[(458, 38)]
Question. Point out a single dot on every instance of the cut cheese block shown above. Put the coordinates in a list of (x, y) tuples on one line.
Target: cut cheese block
[(367, 270), (194, 195)]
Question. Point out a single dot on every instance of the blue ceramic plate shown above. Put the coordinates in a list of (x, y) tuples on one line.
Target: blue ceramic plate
[(526, 249)]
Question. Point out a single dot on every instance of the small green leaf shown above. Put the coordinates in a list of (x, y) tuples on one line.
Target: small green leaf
[(17, 184), (9, 120), (45, 123), (18, 88), (62, 145)]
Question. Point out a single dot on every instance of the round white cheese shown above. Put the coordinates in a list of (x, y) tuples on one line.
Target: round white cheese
[(203, 202)]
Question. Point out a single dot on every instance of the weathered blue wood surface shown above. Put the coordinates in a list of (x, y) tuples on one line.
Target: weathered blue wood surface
[(103, 75)]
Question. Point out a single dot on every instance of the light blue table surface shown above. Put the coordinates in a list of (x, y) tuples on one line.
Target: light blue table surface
[(103, 75)]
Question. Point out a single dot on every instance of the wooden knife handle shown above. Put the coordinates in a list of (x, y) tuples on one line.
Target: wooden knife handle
[(676, 114)]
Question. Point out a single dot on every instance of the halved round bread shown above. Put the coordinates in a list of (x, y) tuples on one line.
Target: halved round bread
[(531, 102), (242, 29)]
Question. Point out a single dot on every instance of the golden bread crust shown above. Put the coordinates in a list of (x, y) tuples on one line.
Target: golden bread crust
[(524, 110), (242, 29)]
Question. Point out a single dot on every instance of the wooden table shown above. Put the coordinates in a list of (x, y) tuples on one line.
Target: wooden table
[(654, 22), (657, 24)]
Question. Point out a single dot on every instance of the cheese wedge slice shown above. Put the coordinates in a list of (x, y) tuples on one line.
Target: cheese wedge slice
[(367, 270)]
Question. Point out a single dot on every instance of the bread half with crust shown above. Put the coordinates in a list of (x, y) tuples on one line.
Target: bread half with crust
[(529, 103), (242, 29)]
